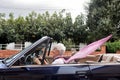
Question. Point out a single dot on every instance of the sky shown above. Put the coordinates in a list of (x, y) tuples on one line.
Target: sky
[(24, 7)]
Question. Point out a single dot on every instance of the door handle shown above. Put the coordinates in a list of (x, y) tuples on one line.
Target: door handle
[(81, 74)]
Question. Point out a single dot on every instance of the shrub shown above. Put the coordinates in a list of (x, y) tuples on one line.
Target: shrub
[(112, 47), (69, 44)]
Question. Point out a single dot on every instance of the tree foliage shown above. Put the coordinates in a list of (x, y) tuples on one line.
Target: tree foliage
[(103, 19), (35, 25), (80, 30)]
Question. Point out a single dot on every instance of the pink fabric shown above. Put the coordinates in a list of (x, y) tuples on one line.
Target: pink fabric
[(88, 49)]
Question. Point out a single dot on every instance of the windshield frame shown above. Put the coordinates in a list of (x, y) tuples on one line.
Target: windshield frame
[(11, 60)]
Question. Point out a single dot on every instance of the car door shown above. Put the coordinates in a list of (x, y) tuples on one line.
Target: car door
[(46, 72), (105, 71)]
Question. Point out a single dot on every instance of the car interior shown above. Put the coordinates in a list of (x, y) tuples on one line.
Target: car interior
[(98, 58), (40, 53), (102, 58)]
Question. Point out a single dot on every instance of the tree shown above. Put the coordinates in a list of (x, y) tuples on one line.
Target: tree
[(10, 28), (19, 29), (69, 28), (80, 30), (3, 34), (2, 22), (57, 26), (30, 30), (103, 18), (34, 26)]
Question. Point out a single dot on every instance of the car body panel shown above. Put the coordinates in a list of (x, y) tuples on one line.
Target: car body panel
[(36, 71), (105, 68)]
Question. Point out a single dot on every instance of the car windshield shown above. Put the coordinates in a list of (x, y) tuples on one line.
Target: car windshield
[(36, 49)]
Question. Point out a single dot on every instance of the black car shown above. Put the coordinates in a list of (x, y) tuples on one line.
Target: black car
[(22, 67)]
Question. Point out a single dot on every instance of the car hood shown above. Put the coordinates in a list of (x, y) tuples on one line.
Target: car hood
[(2, 65)]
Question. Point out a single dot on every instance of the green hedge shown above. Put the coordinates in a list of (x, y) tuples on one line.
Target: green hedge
[(112, 47)]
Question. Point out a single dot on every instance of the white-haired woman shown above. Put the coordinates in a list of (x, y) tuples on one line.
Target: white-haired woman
[(58, 51)]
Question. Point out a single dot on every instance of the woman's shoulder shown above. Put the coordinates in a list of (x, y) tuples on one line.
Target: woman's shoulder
[(58, 61)]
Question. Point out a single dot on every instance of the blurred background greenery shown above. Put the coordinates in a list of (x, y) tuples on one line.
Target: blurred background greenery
[(103, 18)]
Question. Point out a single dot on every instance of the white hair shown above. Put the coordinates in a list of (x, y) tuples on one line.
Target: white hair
[(61, 48)]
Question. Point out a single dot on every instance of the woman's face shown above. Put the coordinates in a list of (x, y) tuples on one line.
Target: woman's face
[(55, 52)]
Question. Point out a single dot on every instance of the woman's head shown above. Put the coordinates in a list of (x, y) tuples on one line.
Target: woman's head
[(58, 49)]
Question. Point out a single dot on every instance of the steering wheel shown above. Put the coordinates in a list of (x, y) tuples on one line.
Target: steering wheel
[(29, 59)]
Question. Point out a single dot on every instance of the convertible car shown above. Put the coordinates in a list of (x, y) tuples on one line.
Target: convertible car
[(22, 67)]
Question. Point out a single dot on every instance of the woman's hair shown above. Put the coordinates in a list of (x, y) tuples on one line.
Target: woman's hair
[(61, 48)]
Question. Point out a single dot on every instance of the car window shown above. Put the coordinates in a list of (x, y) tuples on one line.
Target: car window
[(36, 53), (28, 58)]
